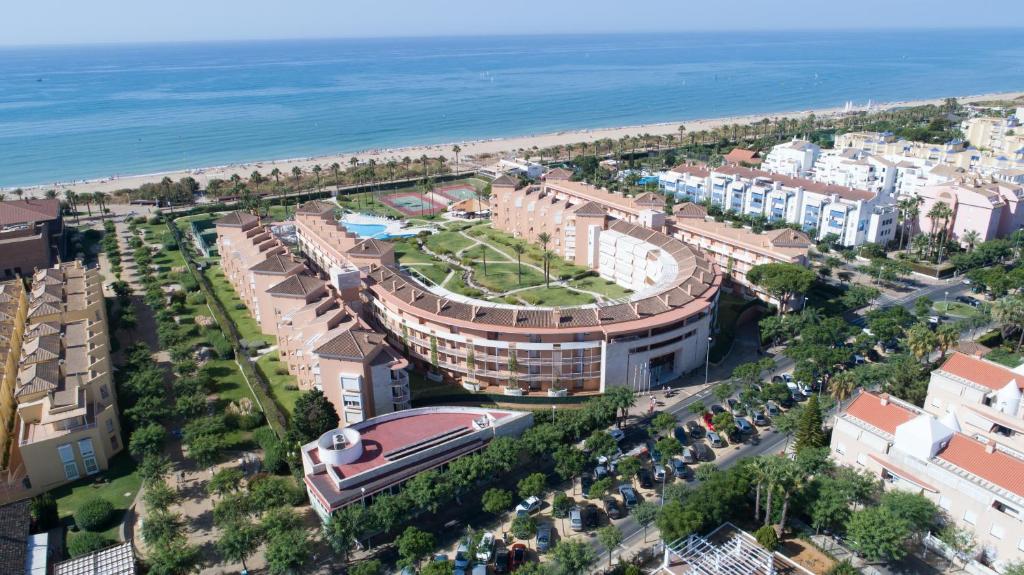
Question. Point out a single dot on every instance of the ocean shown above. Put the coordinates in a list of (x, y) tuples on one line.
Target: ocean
[(82, 112)]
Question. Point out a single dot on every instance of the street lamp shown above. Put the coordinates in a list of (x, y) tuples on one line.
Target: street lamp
[(707, 362), (945, 306), (363, 496), (553, 413)]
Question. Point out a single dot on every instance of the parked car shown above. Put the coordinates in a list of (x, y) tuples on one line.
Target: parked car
[(586, 480), (696, 431), (968, 300), (772, 408), (708, 423), (628, 495), (480, 569), (716, 409), (485, 548), (612, 508), (678, 468), (743, 426), (617, 434), (439, 558), (703, 452), (501, 557), (787, 402), (715, 440), (543, 537), (517, 556), (528, 506), (760, 419), (659, 473), (462, 557), (689, 455), (891, 346), (681, 436), (576, 519), (732, 402), (590, 516), (644, 478), (600, 472)]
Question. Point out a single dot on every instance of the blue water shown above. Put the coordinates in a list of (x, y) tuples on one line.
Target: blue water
[(85, 112), (378, 231)]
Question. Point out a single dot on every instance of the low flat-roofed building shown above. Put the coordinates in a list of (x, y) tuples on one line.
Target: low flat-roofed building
[(727, 550), (114, 560), (977, 482), (355, 463)]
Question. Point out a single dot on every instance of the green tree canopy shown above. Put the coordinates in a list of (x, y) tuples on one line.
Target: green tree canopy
[(572, 557), (809, 433), (312, 416), (782, 280), (496, 501), (878, 534), (413, 545)]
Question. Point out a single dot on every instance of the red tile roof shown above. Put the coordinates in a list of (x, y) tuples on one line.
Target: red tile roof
[(28, 210), (997, 467), (869, 409), (979, 371), (738, 155)]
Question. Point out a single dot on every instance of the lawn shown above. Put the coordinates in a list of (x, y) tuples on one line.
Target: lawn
[(956, 309), (435, 272), (285, 398), (534, 254), (1005, 357), (602, 286), (120, 483), (554, 296), (501, 277), (248, 329), (407, 252), (448, 242)]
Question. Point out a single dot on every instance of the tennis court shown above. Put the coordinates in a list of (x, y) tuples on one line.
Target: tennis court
[(457, 192), (413, 204)]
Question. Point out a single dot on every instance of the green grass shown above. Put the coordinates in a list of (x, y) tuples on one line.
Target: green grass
[(1005, 357), (554, 296), (602, 286), (434, 272), (501, 277), (285, 398), (407, 252), (956, 309), (228, 382), (366, 203), (120, 487), (448, 242), (248, 329)]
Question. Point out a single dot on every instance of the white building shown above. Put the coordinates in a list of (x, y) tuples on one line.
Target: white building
[(855, 216), (978, 484), (794, 159), (854, 168), (1000, 135)]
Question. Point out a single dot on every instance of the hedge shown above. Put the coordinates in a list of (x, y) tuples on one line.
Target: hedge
[(94, 514)]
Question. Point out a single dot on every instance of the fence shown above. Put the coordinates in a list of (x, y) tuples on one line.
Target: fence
[(261, 390)]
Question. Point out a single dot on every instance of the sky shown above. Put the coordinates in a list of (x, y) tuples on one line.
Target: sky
[(30, 22)]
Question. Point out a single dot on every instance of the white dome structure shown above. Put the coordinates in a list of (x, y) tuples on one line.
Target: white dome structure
[(340, 446), (1008, 398), (922, 437), (950, 420)]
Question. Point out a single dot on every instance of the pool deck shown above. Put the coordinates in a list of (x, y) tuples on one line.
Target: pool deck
[(392, 228)]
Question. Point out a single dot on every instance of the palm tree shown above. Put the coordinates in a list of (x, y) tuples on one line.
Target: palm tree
[(50, 195), (2, 196), (842, 386), (760, 468), (1009, 313), (544, 238), (276, 174), (335, 170), (424, 164), (921, 341), (426, 187), (391, 164), (256, 178), (773, 474), (939, 212), (483, 256), (100, 199), (519, 249), (455, 150), (971, 237), (72, 201), (548, 254), (87, 200), (316, 172), (947, 336), (793, 481), (297, 174), (19, 192)]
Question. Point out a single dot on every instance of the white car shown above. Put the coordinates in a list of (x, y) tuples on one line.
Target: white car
[(617, 434), (528, 506), (486, 547)]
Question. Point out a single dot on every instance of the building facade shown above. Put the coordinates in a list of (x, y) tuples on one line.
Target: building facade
[(991, 209), (794, 159), (66, 422), (31, 236)]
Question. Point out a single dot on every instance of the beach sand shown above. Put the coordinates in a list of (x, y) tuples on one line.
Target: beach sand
[(470, 149)]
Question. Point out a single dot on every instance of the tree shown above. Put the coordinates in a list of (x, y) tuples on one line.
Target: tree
[(496, 501), (697, 408), (923, 306), (312, 416), (238, 541), (1009, 313), (367, 567), (147, 440), (611, 537), (767, 537), (961, 542), (85, 542), (43, 511), (664, 422), (532, 485), (603, 486), (669, 446), (724, 423), (518, 249), (946, 337), (287, 551), (572, 557), (858, 296), (561, 505), (93, 514), (842, 386), (524, 527), (781, 280), (622, 399), (809, 433), (878, 534), (413, 545), (343, 528), (601, 443), (676, 520), (844, 567), (174, 558), (722, 391), (645, 513), (917, 510), (569, 461), (628, 467), (921, 341), (225, 481)]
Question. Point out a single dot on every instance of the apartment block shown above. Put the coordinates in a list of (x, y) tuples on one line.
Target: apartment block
[(990, 208), (66, 420), (31, 236), (794, 159)]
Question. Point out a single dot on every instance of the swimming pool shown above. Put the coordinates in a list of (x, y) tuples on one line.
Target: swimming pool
[(379, 231)]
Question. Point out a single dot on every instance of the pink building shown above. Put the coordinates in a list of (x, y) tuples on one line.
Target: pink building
[(992, 209), (320, 337)]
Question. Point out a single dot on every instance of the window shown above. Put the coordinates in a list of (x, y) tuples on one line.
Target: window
[(945, 502), (110, 426), (351, 382), (88, 456), (67, 458), (352, 401), (840, 448), (970, 517), (997, 531), (113, 443), (104, 392), (861, 459)]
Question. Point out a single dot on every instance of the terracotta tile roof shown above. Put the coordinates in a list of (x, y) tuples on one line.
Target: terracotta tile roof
[(558, 174), (276, 264), (297, 285), (504, 180), (869, 409), (997, 467), (590, 209), (788, 238), (648, 199), (356, 344), (14, 524), (315, 207), (738, 155), (43, 376), (973, 348), (809, 185), (701, 171), (979, 371), (236, 219), (689, 210), (370, 247), (28, 210)]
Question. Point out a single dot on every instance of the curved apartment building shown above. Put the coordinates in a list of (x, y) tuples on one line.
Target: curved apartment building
[(656, 334)]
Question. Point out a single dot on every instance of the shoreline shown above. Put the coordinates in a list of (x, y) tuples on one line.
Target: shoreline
[(470, 148)]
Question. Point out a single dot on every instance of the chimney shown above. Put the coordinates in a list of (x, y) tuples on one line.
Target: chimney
[(990, 447), (884, 399)]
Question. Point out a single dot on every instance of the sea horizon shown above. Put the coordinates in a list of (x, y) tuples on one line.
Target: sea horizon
[(71, 113)]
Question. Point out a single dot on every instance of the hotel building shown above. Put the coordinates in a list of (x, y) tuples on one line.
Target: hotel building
[(962, 451), (955, 154), (355, 463), (321, 339), (65, 418), (991, 208), (31, 236), (794, 159), (853, 215)]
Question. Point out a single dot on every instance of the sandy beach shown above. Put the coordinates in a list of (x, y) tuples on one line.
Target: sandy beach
[(470, 149)]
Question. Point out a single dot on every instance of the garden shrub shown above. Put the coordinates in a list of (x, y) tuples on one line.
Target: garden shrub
[(94, 514), (86, 542)]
